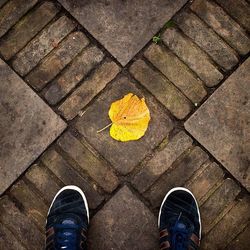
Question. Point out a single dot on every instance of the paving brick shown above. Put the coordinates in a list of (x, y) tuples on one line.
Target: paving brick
[(73, 74), (177, 72), (239, 10), (162, 161), (34, 206), (225, 118), (218, 202), (28, 126), (177, 175), (21, 226), (2, 2), (8, 240), (229, 226), (51, 65), (123, 223), (193, 56), (88, 162), (42, 44), (123, 28), (223, 25), (242, 241), (207, 39), (26, 29), (123, 156), (205, 182), (12, 12), (43, 181), (89, 88), (69, 176), (162, 88)]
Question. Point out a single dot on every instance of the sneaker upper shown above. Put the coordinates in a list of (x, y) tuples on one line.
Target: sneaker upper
[(67, 221), (179, 221)]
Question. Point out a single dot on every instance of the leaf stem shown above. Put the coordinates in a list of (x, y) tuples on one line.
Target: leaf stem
[(104, 127)]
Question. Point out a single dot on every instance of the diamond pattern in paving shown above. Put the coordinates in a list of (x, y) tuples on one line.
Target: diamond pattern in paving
[(123, 27), (123, 156), (28, 126), (137, 226), (222, 124), (200, 48)]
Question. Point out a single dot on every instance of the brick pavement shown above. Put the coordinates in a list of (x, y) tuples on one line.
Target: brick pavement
[(201, 50)]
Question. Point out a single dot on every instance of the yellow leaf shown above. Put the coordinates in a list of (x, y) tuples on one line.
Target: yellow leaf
[(130, 117)]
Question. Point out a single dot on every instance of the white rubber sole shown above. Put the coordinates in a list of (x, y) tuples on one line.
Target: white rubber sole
[(182, 189), (72, 187)]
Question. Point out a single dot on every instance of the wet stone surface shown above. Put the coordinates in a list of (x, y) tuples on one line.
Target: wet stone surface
[(123, 27)]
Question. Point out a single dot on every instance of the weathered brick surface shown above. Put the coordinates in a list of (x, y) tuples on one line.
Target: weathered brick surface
[(8, 239), (43, 181), (218, 202), (177, 175), (123, 156), (222, 24), (57, 60), (88, 162), (193, 56), (2, 2), (22, 227), (123, 223), (205, 182), (69, 176), (12, 12), (242, 241), (237, 9), (42, 44), (73, 74), (177, 72), (162, 88), (89, 88), (207, 39), (34, 206), (26, 28), (161, 162), (229, 226)]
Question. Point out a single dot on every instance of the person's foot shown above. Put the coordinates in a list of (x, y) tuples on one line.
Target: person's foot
[(67, 220), (179, 221)]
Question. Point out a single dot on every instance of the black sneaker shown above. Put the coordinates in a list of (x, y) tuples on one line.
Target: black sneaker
[(67, 220), (179, 221)]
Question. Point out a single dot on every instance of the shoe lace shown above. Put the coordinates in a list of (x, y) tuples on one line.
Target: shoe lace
[(179, 237), (67, 236)]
